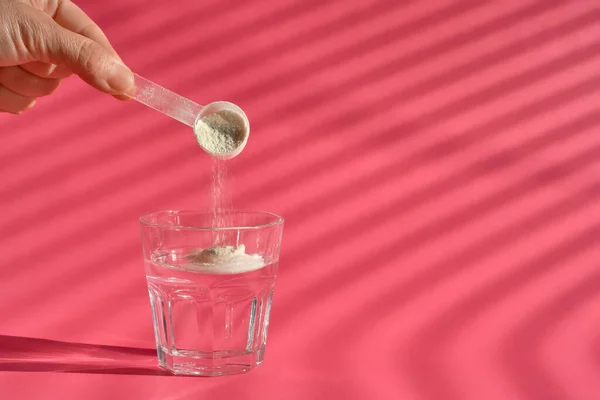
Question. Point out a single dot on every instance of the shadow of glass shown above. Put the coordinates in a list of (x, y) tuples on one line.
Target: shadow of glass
[(44, 355)]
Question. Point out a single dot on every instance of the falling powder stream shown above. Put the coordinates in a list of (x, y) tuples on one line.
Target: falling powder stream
[(220, 199)]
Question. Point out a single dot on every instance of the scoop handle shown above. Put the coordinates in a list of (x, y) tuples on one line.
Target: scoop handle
[(167, 102)]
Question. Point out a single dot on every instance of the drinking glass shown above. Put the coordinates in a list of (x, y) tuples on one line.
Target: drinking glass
[(210, 318)]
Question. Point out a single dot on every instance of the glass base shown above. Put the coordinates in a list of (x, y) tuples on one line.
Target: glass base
[(209, 363)]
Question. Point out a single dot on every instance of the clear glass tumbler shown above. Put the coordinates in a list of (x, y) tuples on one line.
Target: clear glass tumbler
[(210, 317)]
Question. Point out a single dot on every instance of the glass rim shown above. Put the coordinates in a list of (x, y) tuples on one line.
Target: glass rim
[(144, 220)]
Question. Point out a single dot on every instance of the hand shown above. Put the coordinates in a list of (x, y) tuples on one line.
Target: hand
[(44, 41)]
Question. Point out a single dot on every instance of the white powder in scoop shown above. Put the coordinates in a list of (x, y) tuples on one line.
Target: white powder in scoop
[(221, 132)]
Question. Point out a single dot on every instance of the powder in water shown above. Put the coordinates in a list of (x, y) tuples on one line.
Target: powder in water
[(218, 255), (224, 260), (221, 132)]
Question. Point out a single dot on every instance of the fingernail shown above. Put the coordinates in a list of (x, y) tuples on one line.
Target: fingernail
[(120, 79), (27, 108), (30, 105), (51, 69)]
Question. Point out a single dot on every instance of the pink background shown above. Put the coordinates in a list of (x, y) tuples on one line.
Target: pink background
[(437, 165)]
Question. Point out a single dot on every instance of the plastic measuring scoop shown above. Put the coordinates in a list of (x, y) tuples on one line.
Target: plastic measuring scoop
[(186, 111)]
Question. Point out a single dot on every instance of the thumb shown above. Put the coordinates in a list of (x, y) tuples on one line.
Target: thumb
[(90, 60)]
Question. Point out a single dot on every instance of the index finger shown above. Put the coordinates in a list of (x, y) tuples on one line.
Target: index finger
[(71, 17)]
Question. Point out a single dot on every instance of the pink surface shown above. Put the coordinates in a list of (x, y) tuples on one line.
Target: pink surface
[(437, 164)]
